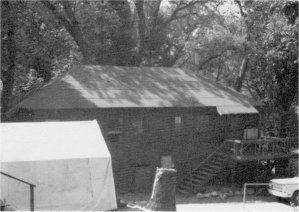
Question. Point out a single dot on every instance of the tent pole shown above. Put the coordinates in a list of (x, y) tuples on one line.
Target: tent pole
[(31, 198)]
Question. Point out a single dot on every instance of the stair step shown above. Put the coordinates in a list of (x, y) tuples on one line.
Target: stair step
[(206, 171), (186, 186), (189, 185), (220, 157), (213, 166), (204, 176), (220, 154), (179, 190), (197, 182), (220, 163), (200, 177), (189, 182)]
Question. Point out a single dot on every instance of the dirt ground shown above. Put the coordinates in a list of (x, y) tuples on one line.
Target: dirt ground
[(231, 204)]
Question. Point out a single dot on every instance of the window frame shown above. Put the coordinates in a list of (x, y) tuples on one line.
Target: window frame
[(114, 133), (178, 123), (138, 126)]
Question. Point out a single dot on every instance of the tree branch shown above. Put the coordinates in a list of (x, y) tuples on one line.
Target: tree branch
[(209, 59), (72, 26), (69, 12), (156, 13), (184, 62), (240, 8), (173, 16), (60, 18)]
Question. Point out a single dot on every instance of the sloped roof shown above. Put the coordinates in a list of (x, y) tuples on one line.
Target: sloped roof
[(118, 87), (36, 141)]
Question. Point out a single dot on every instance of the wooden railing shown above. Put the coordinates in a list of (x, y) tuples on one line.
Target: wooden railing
[(264, 148), (193, 170), (220, 148), (31, 186)]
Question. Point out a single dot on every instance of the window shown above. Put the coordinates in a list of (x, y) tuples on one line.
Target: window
[(166, 162), (114, 129), (178, 123), (250, 133), (137, 126)]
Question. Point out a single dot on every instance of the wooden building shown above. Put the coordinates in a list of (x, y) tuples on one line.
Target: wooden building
[(150, 117)]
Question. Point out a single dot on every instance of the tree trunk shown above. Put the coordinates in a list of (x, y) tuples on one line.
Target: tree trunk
[(283, 124), (242, 73), (8, 77), (244, 66), (122, 37), (141, 30), (76, 33), (163, 194)]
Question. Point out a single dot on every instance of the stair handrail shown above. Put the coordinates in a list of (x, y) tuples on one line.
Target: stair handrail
[(207, 158), (244, 147), (31, 186)]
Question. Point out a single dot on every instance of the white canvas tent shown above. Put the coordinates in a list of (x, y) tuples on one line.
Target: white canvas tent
[(68, 162)]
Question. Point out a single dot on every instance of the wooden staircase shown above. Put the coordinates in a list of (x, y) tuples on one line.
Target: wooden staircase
[(205, 171), (237, 150)]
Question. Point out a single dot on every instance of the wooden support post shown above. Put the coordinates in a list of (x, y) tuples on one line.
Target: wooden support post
[(31, 197), (233, 173), (257, 171), (163, 194)]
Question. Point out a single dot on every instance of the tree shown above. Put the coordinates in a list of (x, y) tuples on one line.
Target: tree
[(256, 52), (277, 85), (142, 35), (272, 69), (37, 47), (71, 24), (290, 10), (7, 75), (123, 43), (33, 48), (244, 65)]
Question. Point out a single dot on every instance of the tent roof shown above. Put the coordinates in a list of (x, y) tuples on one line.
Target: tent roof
[(37, 141), (117, 87)]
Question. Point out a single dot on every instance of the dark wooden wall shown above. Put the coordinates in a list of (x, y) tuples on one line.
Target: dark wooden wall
[(136, 151)]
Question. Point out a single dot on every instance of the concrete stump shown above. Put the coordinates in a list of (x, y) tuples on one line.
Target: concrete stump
[(163, 194)]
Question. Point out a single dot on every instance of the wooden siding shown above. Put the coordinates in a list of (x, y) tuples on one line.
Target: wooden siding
[(132, 150)]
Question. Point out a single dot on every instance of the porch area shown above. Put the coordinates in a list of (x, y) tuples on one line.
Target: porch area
[(266, 148)]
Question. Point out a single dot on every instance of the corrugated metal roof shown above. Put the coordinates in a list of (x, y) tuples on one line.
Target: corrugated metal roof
[(117, 87)]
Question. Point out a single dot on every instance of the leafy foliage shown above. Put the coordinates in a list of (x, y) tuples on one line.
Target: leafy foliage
[(40, 46)]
